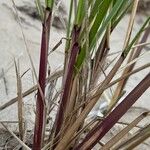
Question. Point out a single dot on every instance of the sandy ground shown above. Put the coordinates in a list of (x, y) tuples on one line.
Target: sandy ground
[(12, 46)]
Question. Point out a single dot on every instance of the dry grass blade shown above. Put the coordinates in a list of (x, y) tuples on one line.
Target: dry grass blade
[(128, 74), (133, 61), (121, 78), (20, 142), (51, 78), (141, 44), (120, 135), (119, 122), (20, 102), (135, 140), (131, 22), (14, 100)]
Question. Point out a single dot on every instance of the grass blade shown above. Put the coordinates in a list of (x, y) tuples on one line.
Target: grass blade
[(106, 22), (103, 8), (80, 12), (40, 9), (20, 103)]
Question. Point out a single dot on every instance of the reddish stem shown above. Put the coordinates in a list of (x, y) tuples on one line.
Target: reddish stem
[(67, 80), (40, 104)]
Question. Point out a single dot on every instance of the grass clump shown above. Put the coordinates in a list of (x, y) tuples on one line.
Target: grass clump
[(89, 30)]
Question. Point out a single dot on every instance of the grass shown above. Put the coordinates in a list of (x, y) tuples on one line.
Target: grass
[(87, 50)]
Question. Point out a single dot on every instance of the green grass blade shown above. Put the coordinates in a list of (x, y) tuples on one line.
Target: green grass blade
[(40, 9), (122, 10), (103, 8), (69, 26), (80, 12), (106, 22), (121, 13), (126, 51), (49, 3), (95, 9), (98, 33)]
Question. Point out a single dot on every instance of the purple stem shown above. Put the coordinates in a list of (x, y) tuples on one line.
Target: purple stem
[(40, 104), (67, 80)]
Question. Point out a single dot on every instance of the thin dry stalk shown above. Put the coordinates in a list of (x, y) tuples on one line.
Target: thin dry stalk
[(126, 130), (71, 104), (20, 102), (130, 25), (125, 76), (135, 139), (14, 100), (141, 44), (51, 78)]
